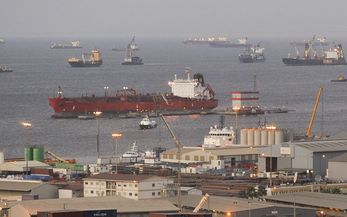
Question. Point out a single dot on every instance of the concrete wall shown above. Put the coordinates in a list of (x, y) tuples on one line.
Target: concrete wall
[(45, 191), (303, 158), (284, 163), (337, 171)]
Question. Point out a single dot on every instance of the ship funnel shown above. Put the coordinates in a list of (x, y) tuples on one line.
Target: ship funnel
[(188, 70)]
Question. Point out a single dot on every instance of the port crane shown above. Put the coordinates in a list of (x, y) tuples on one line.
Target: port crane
[(202, 202), (308, 130), (179, 151)]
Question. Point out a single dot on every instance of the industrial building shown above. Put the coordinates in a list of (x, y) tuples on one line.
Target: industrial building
[(335, 166), (232, 206), (125, 207), (15, 190), (136, 187), (20, 167)]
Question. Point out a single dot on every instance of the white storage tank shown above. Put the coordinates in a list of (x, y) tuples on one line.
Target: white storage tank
[(264, 137), (243, 137), (271, 137), (278, 136), (250, 137), (2, 157), (257, 137)]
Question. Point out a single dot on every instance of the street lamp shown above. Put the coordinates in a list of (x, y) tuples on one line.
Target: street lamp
[(26, 125), (97, 115), (115, 136)]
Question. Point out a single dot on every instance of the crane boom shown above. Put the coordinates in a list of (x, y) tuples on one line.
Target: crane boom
[(202, 203), (308, 131), (56, 156), (179, 148)]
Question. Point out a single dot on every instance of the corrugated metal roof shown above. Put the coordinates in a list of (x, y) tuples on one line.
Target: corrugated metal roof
[(323, 146), (124, 177), (221, 204), (18, 185), (330, 201), (123, 205)]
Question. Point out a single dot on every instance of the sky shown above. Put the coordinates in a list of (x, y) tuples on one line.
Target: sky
[(172, 18)]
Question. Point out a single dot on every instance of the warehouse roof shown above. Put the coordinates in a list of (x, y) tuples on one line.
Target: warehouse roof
[(221, 204), (313, 199), (20, 166), (123, 205), (124, 177), (323, 146), (19, 185), (340, 158)]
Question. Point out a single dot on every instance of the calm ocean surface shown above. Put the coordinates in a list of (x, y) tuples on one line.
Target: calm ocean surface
[(39, 70)]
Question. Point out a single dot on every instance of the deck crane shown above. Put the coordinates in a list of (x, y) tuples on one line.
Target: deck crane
[(201, 203), (308, 131), (179, 151)]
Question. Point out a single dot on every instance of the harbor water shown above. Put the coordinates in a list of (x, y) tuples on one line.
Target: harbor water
[(39, 70)]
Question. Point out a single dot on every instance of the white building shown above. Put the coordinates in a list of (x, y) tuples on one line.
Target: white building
[(126, 185)]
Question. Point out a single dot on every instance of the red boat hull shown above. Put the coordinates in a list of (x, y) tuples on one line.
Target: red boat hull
[(125, 104)]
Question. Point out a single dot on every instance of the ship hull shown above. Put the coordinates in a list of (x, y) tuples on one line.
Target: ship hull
[(66, 47), (227, 45), (131, 63), (302, 62), (86, 64), (72, 107), (250, 59)]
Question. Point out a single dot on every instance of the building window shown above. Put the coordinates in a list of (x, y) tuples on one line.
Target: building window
[(202, 158), (165, 156), (187, 157), (97, 183), (86, 183), (153, 184), (135, 185), (130, 194), (130, 185), (119, 185), (153, 193), (196, 158), (124, 185), (135, 194), (211, 158), (170, 156), (92, 192), (158, 193), (91, 183)]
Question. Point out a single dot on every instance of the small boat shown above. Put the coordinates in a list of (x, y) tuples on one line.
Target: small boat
[(92, 59), (340, 78), (4, 68), (146, 123)]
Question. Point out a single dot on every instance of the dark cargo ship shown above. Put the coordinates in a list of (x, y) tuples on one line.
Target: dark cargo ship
[(188, 96), (334, 56), (92, 59), (252, 54)]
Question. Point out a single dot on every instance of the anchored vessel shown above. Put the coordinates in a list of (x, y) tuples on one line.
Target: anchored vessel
[(129, 59), (92, 59), (4, 68), (188, 96), (203, 40), (252, 54), (334, 56), (241, 42), (340, 78), (73, 44)]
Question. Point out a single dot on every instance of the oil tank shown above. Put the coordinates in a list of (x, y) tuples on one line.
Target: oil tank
[(243, 137), (271, 137), (2, 157), (257, 137), (38, 153), (250, 137), (278, 136), (28, 153), (264, 137)]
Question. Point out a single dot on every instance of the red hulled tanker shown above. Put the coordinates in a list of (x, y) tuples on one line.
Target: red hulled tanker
[(190, 95)]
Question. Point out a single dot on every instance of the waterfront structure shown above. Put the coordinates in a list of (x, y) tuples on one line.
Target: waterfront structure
[(136, 187), (125, 207), (20, 167)]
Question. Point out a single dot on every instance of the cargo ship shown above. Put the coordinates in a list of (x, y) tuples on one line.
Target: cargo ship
[(334, 56), (252, 54), (204, 40), (188, 96), (92, 59), (242, 42), (129, 59), (71, 45)]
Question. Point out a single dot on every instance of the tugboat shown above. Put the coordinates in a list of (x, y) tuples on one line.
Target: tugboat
[(130, 59), (340, 78), (73, 44), (252, 54), (92, 59), (146, 123), (4, 68), (334, 56)]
